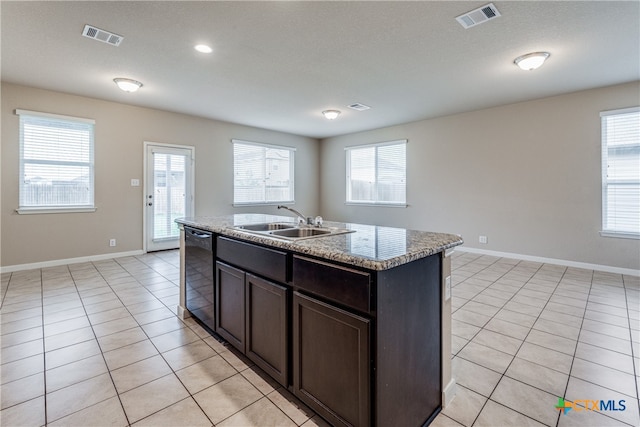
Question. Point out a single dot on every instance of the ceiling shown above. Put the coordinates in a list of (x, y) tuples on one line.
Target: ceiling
[(278, 65)]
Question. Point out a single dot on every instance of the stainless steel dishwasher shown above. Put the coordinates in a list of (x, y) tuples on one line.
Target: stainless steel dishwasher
[(199, 275)]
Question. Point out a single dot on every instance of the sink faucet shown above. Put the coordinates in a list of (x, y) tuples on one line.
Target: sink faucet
[(304, 219)]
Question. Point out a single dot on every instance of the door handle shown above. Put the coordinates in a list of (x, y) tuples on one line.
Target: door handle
[(200, 236)]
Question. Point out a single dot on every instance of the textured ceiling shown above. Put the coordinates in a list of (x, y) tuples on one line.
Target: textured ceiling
[(277, 65)]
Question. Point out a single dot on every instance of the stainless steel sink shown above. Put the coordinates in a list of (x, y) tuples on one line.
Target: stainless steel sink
[(289, 231), (301, 232), (269, 226)]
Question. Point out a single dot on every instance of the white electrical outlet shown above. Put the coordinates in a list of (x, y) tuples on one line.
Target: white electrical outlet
[(447, 288), (135, 182), (483, 240), (112, 242)]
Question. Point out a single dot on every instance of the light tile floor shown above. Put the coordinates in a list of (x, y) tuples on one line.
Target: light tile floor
[(525, 334), (97, 344)]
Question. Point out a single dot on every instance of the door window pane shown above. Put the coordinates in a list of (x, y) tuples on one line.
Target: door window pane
[(169, 194)]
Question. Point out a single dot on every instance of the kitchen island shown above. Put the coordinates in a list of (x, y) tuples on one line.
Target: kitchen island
[(356, 322)]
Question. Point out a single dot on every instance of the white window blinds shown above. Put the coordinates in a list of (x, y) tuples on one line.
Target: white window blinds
[(621, 172), (56, 161), (377, 174), (262, 174)]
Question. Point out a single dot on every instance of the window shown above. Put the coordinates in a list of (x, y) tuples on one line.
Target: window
[(377, 174), (56, 163), (621, 173), (262, 174)]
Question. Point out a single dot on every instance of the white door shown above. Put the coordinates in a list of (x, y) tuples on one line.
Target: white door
[(168, 193)]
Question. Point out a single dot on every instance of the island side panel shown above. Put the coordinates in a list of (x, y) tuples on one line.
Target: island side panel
[(448, 382), (182, 311), (408, 343)]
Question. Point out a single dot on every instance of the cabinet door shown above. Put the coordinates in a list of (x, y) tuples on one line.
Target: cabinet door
[(331, 361), (230, 300), (266, 335)]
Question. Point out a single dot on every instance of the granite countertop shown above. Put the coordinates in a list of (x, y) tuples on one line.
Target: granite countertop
[(369, 246)]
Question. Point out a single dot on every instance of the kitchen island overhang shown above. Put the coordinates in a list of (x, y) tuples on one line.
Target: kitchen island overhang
[(408, 292)]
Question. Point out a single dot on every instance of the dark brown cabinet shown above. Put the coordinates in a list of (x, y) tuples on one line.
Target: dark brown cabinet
[(360, 347), (252, 315), (266, 326), (230, 302), (331, 361)]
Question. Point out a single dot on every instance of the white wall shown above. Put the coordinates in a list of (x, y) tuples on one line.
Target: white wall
[(120, 133), (526, 175)]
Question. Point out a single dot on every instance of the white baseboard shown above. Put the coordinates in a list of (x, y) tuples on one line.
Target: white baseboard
[(58, 262), (584, 265), (183, 313), (449, 393)]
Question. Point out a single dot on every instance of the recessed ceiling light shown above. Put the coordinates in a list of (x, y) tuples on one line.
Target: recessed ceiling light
[(531, 61), (203, 48), (128, 85), (331, 114)]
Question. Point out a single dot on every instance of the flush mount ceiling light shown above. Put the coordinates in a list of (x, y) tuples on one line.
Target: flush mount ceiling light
[(128, 85), (331, 114), (531, 61), (203, 48)]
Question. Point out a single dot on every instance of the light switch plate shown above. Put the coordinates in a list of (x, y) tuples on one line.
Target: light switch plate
[(135, 182)]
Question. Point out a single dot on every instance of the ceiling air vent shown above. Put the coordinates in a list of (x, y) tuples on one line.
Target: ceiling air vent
[(359, 107), (102, 35), (478, 16)]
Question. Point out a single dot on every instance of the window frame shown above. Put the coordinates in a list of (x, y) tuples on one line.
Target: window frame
[(265, 202), (52, 208), (349, 150), (606, 231)]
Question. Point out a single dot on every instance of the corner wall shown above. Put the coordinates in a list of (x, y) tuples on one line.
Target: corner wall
[(527, 175), (119, 136)]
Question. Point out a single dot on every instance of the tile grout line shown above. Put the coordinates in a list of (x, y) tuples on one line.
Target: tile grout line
[(514, 356), (98, 342), (148, 339), (97, 270), (573, 358), (482, 328), (73, 279), (530, 329), (633, 355), (492, 317), (44, 353), (512, 268), (174, 372), (5, 291), (218, 354)]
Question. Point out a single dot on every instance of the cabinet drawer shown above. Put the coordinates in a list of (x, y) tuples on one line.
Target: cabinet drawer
[(266, 262), (340, 284)]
